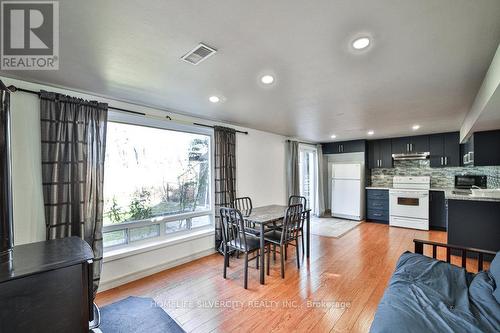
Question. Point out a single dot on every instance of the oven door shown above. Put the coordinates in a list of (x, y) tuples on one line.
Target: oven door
[(408, 203)]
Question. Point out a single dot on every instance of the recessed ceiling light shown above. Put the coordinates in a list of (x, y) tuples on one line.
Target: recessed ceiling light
[(267, 79), (361, 43), (333, 136), (371, 132), (214, 99), (415, 127)]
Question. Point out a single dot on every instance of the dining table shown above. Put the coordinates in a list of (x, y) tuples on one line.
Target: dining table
[(268, 215)]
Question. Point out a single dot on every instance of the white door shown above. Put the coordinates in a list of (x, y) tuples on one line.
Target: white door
[(308, 166), (346, 198)]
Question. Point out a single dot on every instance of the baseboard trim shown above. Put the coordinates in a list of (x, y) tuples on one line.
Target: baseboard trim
[(106, 285)]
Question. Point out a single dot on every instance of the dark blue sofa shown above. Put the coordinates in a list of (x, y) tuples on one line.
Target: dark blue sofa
[(428, 295)]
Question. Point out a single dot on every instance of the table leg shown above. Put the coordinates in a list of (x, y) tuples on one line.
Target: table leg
[(262, 254), (308, 234)]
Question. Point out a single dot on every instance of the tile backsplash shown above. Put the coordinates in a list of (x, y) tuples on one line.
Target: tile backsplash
[(440, 177)]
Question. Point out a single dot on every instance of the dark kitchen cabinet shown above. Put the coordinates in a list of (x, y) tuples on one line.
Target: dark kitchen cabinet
[(474, 224), (380, 154), (341, 147), (410, 144), (377, 205), (483, 149), (419, 144), (445, 150), (400, 145), (437, 210)]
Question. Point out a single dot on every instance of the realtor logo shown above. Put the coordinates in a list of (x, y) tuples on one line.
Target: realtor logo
[(30, 35)]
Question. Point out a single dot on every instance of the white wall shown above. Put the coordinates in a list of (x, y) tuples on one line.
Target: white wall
[(260, 158), (260, 167), (489, 87)]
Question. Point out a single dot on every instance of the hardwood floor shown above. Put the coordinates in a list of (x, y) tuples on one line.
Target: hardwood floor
[(336, 290)]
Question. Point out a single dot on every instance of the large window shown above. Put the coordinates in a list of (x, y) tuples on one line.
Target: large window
[(157, 182)]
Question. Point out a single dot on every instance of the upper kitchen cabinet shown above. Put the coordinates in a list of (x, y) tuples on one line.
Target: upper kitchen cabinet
[(410, 144), (482, 149), (445, 150), (380, 154), (354, 146)]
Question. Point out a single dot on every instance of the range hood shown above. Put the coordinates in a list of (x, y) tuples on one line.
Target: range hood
[(410, 156)]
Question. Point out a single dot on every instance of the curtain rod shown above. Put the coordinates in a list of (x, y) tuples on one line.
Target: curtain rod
[(13, 88), (302, 142)]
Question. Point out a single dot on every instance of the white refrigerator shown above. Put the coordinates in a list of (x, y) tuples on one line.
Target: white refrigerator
[(347, 191)]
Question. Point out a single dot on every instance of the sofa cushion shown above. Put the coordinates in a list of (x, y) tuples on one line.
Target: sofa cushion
[(426, 295), (484, 306), (495, 274)]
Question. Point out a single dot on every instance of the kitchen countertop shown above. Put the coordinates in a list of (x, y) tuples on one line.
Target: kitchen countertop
[(390, 187), (448, 193)]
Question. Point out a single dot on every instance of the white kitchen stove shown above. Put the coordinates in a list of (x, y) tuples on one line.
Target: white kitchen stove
[(409, 202)]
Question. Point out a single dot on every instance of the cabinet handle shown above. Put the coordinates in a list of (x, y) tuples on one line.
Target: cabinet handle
[(442, 163), (446, 160)]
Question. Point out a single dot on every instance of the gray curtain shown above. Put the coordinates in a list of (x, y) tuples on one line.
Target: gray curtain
[(73, 134), (292, 168), (320, 207), (225, 174)]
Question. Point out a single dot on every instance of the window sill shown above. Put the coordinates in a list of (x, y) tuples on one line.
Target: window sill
[(131, 250)]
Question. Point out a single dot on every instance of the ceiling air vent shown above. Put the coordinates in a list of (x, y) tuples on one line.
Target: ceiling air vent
[(198, 54)]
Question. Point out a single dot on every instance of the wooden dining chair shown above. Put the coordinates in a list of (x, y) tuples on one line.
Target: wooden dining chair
[(236, 238), (288, 235)]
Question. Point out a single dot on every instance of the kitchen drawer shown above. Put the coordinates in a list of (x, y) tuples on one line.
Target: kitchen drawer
[(376, 214), (378, 194), (382, 204)]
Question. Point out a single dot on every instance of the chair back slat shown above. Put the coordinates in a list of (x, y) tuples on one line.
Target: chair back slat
[(297, 199), (233, 228), (292, 223), (244, 205)]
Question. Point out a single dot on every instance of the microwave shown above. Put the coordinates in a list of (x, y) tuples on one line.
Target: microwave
[(467, 182)]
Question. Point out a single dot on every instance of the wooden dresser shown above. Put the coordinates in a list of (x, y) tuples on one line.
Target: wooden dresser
[(47, 287)]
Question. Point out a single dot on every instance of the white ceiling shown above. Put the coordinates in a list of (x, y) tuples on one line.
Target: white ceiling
[(425, 66)]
